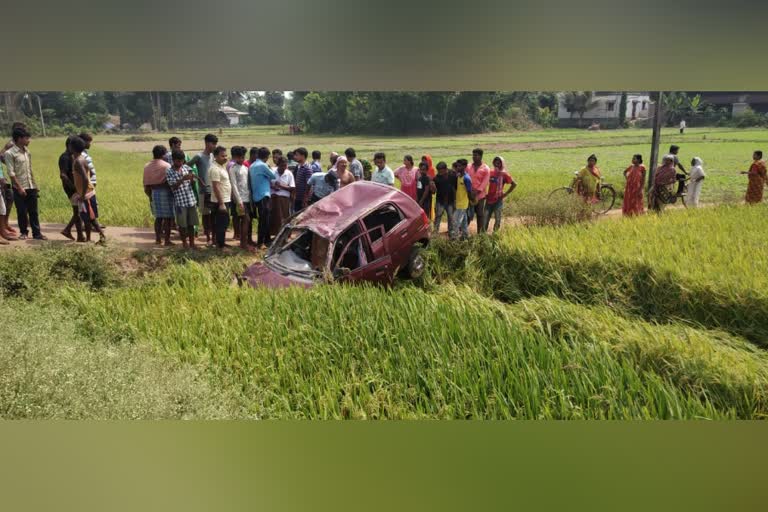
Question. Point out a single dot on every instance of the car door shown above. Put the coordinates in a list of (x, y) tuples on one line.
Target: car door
[(390, 219), (368, 267)]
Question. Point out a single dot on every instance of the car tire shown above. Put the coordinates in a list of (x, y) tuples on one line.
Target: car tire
[(416, 264)]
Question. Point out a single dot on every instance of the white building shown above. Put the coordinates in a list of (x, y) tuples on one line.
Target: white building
[(233, 115), (606, 108)]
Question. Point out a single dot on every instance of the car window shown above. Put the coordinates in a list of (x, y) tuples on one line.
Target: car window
[(300, 249), (343, 240), (388, 216), (356, 254)]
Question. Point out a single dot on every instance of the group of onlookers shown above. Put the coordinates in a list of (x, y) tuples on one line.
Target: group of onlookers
[(668, 184), (224, 185), (20, 188), (250, 189), (217, 187)]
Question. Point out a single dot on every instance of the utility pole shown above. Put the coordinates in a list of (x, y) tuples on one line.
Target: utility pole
[(40, 109), (657, 114), (173, 114)]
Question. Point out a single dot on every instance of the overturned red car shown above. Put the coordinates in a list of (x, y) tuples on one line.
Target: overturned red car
[(365, 231)]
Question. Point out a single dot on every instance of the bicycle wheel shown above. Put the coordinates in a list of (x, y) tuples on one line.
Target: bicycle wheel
[(560, 193), (606, 200), (684, 196)]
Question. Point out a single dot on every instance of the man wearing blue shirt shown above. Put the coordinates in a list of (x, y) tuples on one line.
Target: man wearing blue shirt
[(260, 177)]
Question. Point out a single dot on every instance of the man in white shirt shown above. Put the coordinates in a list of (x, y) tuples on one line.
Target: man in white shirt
[(382, 174)]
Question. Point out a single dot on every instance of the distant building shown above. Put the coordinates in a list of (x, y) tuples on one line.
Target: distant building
[(737, 101), (232, 114), (606, 109)]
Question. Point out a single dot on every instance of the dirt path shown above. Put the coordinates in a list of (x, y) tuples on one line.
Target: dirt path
[(144, 238), (128, 237)]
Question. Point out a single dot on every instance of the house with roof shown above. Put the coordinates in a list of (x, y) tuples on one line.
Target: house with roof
[(605, 109), (232, 114), (736, 102)]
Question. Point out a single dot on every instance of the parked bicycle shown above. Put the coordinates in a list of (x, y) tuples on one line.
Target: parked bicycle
[(606, 195), (669, 194)]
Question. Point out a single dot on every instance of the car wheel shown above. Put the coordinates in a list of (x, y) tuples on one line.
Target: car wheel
[(416, 264)]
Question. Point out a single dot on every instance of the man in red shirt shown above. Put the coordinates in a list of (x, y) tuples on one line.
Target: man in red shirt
[(494, 201), (480, 174)]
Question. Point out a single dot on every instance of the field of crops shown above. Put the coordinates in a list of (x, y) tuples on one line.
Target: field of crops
[(655, 317), (540, 160)]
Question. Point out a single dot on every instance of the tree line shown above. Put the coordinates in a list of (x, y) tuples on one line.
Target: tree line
[(362, 112)]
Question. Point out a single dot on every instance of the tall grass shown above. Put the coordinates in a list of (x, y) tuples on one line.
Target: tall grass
[(49, 370), (364, 352), (698, 266)]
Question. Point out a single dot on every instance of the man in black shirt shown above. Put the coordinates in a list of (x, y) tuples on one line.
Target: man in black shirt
[(445, 185), (68, 183)]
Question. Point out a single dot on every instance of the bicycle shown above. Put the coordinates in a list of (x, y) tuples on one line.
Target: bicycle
[(606, 195), (670, 195), (683, 179)]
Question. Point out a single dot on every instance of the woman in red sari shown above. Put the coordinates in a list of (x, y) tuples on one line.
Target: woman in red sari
[(757, 179), (633, 191)]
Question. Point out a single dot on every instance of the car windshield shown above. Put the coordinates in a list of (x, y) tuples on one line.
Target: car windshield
[(299, 250)]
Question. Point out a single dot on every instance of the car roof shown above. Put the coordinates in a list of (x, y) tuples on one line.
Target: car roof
[(336, 212)]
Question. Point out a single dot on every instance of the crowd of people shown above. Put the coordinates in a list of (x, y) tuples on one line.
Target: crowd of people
[(20, 188), (237, 187), (218, 187)]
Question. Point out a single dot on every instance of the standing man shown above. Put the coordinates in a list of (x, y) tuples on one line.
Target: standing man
[(222, 194), (282, 190), (316, 165), (293, 164), (355, 167), (344, 176), (382, 174), (682, 126), (304, 171), (25, 193), (180, 179), (203, 161), (463, 196), (445, 196), (68, 183), (276, 153), (160, 197), (88, 139), (480, 175), (261, 177), (333, 157), (673, 150), (174, 144), (85, 190)]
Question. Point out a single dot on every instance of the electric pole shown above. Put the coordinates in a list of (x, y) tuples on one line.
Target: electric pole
[(657, 114), (40, 109)]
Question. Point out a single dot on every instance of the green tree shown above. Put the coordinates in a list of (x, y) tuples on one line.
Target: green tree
[(623, 109), (275, 106), (579, 102)]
